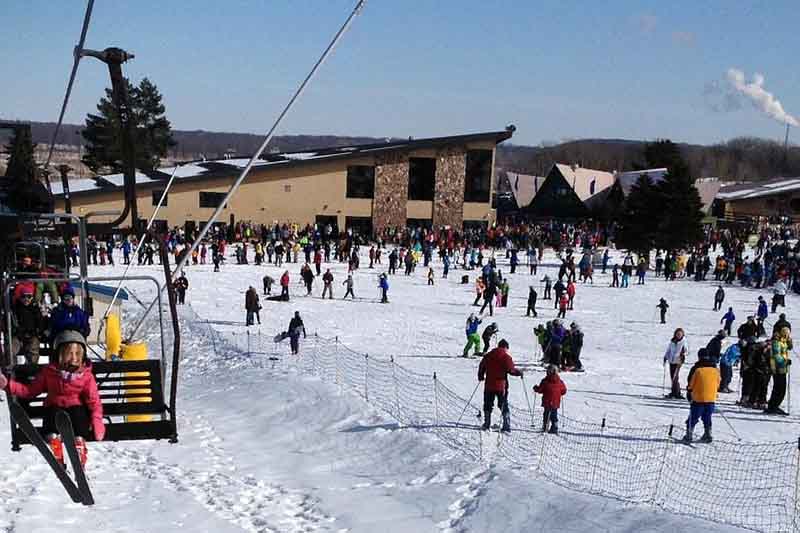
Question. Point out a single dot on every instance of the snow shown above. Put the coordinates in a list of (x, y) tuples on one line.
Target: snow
[(265, 446), (188, 170), (75, 185), (300, 155)]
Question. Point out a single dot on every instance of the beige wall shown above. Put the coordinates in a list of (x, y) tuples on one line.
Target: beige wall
[(298, 194)]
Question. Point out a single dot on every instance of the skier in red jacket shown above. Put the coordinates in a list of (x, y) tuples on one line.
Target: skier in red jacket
[(71, 387), (552, 389), (494, 370)]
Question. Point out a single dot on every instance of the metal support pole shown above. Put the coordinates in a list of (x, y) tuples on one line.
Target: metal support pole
[(366, 376)]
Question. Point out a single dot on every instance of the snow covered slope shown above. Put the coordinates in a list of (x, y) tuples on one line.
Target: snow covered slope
[(266, 446)]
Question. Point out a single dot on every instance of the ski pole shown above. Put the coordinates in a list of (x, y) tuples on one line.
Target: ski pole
[(789, 390), (468, 402), (664, 380), (725, 418), (527, 399)]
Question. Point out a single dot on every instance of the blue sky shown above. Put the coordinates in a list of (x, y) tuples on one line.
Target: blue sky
[(556, 69)]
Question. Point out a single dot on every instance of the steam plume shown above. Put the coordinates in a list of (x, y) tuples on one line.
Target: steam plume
[(759, 97)]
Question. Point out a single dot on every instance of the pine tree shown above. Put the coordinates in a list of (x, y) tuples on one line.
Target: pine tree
[(152, 131), (21, 163), (638, 223), (680, 210)]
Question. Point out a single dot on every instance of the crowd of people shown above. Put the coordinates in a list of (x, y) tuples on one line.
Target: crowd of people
[(768, 263)]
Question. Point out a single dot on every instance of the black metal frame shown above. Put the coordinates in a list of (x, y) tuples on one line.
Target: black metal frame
[(111, 376)]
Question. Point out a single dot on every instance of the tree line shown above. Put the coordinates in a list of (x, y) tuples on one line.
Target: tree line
[(739, 159)]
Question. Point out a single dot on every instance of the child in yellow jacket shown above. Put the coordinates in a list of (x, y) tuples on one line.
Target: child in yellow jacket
[(704, 380)]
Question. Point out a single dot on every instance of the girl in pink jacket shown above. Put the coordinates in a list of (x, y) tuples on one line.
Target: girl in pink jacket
[(71, 387)]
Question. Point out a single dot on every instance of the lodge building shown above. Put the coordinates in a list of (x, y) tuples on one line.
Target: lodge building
[(442, 181)]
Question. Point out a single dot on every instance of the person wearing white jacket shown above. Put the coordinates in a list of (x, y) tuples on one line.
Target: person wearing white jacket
[(676, 355), (778, 295)]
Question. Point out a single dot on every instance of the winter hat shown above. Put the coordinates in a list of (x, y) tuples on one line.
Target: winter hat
[(69, 335), (68, 291), (702, 354), (721, 333), (27, 291), (502, 344)]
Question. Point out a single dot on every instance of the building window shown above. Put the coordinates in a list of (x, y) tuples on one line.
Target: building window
[(359, 226), (157, 196), (287, 188), (211, 199), (421, 178), (360, 181), (592, 186), (478, 178)]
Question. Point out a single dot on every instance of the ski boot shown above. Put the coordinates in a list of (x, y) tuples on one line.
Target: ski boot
[(553, 429), (506, 427), (83, 451), (687, 439), (706, 438), (487, 420), (56, 446)]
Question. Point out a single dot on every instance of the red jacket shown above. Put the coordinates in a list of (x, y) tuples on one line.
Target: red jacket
[(494, 368), (571, 289), (552, 389), (563, 301), (66, 390), (285, 280)]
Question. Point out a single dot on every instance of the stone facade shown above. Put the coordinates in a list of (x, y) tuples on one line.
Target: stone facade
[(391, 191), (448, 195)]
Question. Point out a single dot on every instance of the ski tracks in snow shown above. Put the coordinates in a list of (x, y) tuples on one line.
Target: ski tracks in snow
[(243, 500)]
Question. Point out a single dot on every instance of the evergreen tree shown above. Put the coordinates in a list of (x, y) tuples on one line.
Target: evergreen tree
[(638, 222), (662, 153), (152, 132), (680, 210), (21, 163)]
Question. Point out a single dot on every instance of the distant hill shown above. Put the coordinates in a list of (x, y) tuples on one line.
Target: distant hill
[(212, 144), (739, 159)]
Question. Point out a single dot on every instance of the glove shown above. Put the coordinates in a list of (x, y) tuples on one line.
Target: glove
[(521, 373), (99, 429), (3, 382), (788, 363)]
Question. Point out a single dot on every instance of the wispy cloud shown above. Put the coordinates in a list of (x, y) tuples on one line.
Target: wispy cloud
[(646, 23), (684, 38)]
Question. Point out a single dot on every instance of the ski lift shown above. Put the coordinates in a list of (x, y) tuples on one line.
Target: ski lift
[(138, 401)]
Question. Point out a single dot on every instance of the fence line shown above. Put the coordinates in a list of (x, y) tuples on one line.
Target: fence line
[(752, 486)]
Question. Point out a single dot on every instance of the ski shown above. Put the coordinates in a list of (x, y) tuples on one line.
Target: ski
[(64, 425), (26, 426)]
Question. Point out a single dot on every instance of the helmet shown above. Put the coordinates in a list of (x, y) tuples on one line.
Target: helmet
[(494, 325), (574, 325), (66, 336)]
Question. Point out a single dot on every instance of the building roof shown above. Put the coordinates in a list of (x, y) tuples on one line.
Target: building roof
[(746, 191), (627, 179), (225, 168), (708, 189), (586, 182), (524, 187)]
